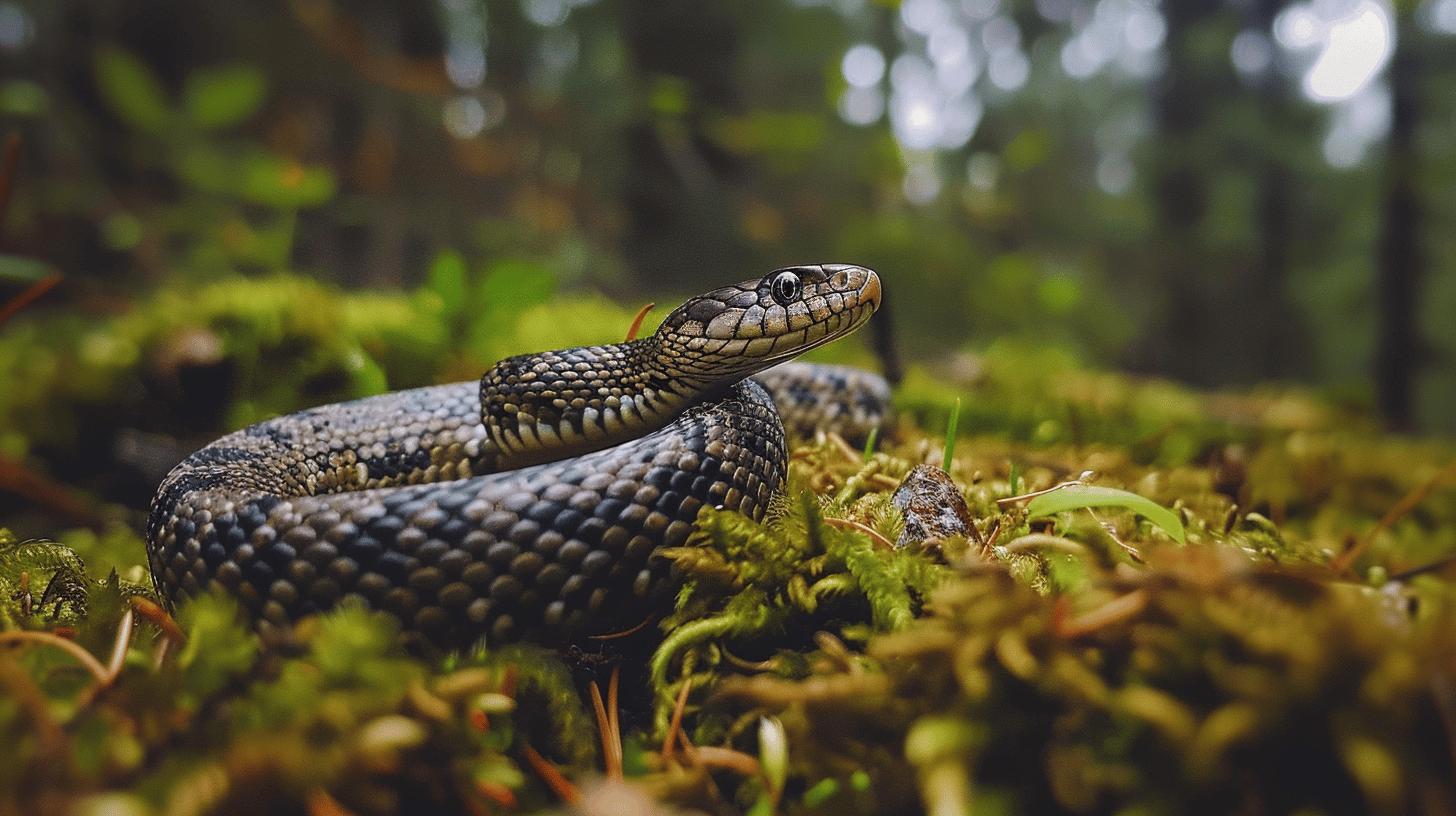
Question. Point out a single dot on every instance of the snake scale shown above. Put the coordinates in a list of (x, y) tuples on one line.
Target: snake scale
[(529, 505)]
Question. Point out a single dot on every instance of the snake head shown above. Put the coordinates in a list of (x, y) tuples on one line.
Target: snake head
[(732, 332), (536, 407)]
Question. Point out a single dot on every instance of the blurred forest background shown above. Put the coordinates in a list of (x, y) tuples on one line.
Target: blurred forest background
[(214, 212), (1223, 192)]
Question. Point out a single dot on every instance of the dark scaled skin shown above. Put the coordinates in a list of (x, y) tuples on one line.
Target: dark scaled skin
[(408, 503)]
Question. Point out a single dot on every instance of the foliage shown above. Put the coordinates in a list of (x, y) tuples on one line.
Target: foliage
[(1080, 496)]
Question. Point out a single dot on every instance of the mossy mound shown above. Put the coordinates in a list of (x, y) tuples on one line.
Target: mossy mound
[(1297, 653)]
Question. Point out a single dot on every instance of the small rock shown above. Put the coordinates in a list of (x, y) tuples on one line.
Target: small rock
[(933, 508)]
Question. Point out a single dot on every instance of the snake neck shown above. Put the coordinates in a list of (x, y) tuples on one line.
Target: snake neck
[(555, 404)]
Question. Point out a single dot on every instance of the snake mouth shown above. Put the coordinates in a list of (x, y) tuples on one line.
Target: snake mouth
[(739, 330), (851, 321)]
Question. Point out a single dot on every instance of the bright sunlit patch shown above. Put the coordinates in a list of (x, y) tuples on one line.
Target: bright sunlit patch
[(1251, 52), (915, 122), (464, 117), (922, 182), (861, 106), (1009, 69), (1144, 29), (14, 26), (1357, 46), (959, 122), (980, 9), (1298, 27), (863, 66), (1439, 16), (1115, 174), (465, 63), (983, 170), (924, 16)]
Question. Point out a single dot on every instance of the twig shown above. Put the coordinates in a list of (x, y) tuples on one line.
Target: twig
[(496, 792), (54, 496), (1035, 540), (614, 717), (27, 695), (157, 615), (846, 524), (1407, 503), (1010, 500), (1114, 611), (1431, 566), (611, 759), (551, 775), (323, 803), (726, 758), (84, 657), (348, 39), (675, 724), (1111, 530), (119, 647), (13, 307), (844, 447), (625, 632)]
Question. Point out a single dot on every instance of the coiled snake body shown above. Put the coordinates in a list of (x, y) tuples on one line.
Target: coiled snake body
[(529, 505)]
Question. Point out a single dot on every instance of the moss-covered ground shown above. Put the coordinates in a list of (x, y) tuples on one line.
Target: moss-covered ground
[(1297, 653)]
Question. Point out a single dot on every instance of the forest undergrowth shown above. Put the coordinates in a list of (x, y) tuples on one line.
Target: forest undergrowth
[(1284, 639)]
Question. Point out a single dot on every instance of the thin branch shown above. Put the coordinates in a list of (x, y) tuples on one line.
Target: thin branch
[(846, 524), (1010, 500), (625, 632), (84, 657), (614, 720), (14, 306), (727, 759), (552, 776), (1407, 503), (1115, 611), (157, 615), (675, 724), (611, 760), (16, 478)]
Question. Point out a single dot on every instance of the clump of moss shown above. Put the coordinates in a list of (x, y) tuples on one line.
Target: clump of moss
[(1293, 655), (1205, 683), (200, 717)]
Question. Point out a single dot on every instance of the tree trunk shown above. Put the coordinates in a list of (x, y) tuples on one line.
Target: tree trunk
[(1398, 278)]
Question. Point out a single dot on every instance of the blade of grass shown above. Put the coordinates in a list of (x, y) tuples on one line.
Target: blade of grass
[(869, 448), (1078, 496), (950, 435)]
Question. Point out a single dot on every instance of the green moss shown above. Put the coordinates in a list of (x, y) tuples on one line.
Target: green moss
[(1296, 654)]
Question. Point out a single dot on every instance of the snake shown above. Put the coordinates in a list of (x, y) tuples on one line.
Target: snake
[(529, 505)]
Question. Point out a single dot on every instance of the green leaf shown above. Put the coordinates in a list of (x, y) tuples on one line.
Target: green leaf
[(446, 279), (950, 436), (131, 90), (17, 269), (1076, 497), (20, 97), (276, 181), (869, 448), (224, 96), (512, 285)]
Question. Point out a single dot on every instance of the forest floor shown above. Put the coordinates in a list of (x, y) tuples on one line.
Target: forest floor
[(1264, 621)]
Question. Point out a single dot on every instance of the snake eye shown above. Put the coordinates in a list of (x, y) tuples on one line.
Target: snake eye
[(786, 288)]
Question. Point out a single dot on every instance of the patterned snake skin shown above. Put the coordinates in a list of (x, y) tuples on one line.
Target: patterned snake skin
[(527, 506)]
